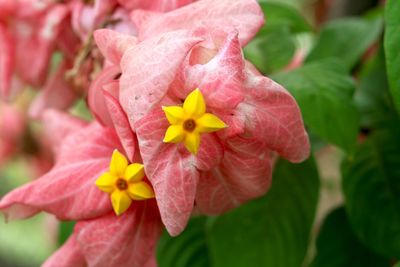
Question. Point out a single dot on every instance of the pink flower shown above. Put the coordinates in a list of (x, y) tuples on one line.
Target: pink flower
[(83, 153), (28, 31), (232, 165), (13, 127)]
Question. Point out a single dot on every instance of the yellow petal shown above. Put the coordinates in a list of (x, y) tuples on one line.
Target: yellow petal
[(194, 104), (120, 201), (140, 191), (174, 114), (106, 182), (192, 142), (209, 123), (118, 164), (134, 172), (174, 134)]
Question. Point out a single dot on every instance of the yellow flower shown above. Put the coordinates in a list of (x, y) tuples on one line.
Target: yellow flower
[(124, 183), (190, 121)]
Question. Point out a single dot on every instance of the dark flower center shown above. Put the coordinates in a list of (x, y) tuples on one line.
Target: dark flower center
[(122, 184), (189, 125)]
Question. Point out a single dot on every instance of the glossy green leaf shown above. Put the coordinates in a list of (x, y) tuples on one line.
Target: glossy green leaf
[(273, 230), (372, 96), (271, 51), (324, 93), (280, 15), (392, 43), (345, 39), (338, 246), (371, 184), (188, 249)]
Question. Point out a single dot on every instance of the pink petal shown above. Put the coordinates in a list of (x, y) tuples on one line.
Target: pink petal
[(244, 174), (7, 8), (68, 190), (127, 240), (58, 126), (96, 100), (67, 256), (171, 170), (57, 93), (82, 18), (40, 39), (149, 68), (122, 127), (154, 5), (273, 117), (6, 62), (102, 8), (220, 79), (244, 15), (113, 44)]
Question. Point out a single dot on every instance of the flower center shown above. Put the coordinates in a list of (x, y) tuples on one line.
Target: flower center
[(122, 184), (189, 125)]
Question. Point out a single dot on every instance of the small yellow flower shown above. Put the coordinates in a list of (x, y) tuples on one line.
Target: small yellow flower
[(124, 183), (190, 121)]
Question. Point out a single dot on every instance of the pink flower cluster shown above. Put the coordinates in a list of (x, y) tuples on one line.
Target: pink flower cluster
[(132, 58)]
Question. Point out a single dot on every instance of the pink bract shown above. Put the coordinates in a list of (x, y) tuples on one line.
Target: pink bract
[(128, 240), (233, 165), (262, 117)]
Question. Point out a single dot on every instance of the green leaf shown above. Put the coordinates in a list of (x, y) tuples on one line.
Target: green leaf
[(392, 42), (345, 39), (188, 249), (373, 97), (371, 186), (271, 51), (65, 230), (282, 15), (324, 92), (338, 246), (273, 230)]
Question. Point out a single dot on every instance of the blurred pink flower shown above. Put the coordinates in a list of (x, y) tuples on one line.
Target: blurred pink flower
[(13, 126), (28, 33)]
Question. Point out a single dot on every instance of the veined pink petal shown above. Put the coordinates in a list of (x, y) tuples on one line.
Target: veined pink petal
[(154, 5), (244, 15), (57, 93), (220, 79), (58, 125), (244, 174), (67, 256), (171, 170), (6, 62), (113, 44), (273, 117), (127, 240), (122, 127), (68, 190), (149, 68), (96, 100)]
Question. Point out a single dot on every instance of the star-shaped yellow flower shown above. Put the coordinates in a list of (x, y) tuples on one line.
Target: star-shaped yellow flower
[(190, 121), (124, 183)]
